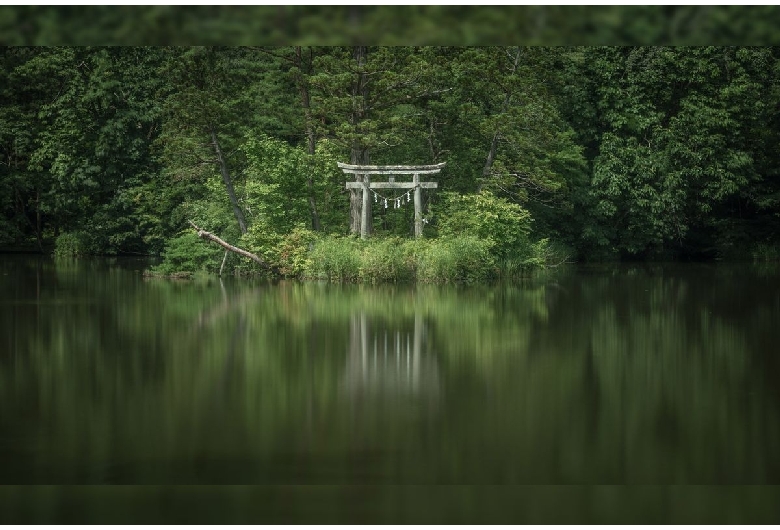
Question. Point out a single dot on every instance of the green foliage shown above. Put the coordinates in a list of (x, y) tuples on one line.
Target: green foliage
[(212, 210), (188, 254), (361, 114), (543, 254), (763, 252), (336, 258), (481, 236), (282, 181), (444, 260), (404, 25), (262, 237), (524, 144), (387, 260), (70, 244), (276, 187), (80, 126), (682, 139), (450, 259), (503, 225), (289, 253), (618, 153)]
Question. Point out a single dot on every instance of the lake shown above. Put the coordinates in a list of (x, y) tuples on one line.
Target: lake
[(653, 376)]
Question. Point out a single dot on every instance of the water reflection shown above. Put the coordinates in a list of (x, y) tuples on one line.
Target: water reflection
[(390, 361), (640, 375)]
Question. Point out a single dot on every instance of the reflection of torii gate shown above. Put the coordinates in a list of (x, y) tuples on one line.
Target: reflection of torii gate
[(366, 185), (390, 361)]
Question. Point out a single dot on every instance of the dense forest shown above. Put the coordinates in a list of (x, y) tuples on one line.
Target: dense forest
[(590, 153)]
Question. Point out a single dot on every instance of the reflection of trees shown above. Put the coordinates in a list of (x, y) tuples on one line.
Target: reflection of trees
[(154, 379), (624, 376), (668, 389)]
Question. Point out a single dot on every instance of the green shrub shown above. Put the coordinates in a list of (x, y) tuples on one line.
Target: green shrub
[(386, 260), (291, 254), (73, 244), (350, 259), (287, 253), (335, 258), (540, 254), (443, 260), (464, 259), (504, 225), (764, 252), (189, 254)]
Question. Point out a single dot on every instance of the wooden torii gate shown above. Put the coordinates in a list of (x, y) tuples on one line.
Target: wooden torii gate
[(366, 185)]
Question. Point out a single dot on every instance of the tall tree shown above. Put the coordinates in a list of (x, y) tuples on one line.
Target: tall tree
[(208, 109), (303, 61), (505, 99), (297, 65), (23, 191), (93, 119), (683, 136), (361, 98)]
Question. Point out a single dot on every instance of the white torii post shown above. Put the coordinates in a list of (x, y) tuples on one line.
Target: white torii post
[(367, 185)]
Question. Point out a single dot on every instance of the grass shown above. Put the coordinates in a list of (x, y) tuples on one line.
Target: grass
[(394, 260)]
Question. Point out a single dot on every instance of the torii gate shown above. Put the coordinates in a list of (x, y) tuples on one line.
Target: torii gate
[(416, 185)]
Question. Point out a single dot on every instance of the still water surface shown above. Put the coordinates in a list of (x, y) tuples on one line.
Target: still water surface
[(650, 374)]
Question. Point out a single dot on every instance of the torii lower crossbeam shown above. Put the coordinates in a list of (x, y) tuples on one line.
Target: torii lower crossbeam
[(393, 185)]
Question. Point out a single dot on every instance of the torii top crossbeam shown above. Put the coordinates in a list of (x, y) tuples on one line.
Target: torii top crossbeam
[(366, 185), (391, 170)]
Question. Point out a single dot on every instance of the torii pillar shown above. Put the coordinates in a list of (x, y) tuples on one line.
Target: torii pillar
[(367, 186)]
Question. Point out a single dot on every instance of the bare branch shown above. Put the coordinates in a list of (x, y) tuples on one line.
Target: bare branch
[(227, 246)]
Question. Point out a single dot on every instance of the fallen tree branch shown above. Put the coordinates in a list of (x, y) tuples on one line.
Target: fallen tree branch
[(240, 251)]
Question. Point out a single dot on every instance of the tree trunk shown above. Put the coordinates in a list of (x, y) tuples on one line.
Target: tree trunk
[(311, 141), (491, 156), (227, 246), (358, 154), (228, 182)]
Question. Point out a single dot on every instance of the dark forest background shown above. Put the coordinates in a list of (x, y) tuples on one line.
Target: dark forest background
[(630, 150)]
